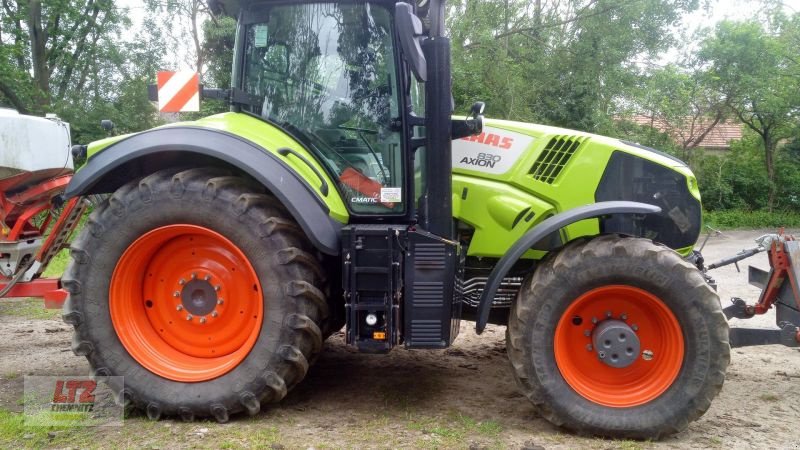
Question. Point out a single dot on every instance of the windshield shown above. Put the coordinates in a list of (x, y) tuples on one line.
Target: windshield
[(326, 73)]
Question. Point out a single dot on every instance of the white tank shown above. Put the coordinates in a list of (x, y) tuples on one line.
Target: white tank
[(32, 149)]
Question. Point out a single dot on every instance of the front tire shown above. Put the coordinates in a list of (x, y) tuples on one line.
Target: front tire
[(638, 298), (200, 290)]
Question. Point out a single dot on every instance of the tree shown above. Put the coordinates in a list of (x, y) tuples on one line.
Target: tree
[(219, 36), (756, 70), (186, 19), (560, 62), (67, 57), (681, 102), (52, 42)]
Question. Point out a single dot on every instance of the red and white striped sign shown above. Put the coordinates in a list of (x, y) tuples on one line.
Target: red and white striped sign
[(178, 92)]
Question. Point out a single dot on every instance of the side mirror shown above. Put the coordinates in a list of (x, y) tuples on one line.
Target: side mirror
[(472, 125), (475, 118), (409, 28), (79, 153), (477, 109)]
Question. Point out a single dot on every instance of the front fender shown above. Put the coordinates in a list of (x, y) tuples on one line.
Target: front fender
[(144, 153), (539, 232)]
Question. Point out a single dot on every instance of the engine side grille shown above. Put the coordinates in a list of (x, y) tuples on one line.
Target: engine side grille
[(506, 294), (554, 158)]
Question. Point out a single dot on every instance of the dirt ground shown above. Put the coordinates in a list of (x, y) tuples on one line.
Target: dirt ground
[(463, 397)]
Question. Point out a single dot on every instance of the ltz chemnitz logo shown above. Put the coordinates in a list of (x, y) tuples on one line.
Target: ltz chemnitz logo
[(482, 160), (73, 396)]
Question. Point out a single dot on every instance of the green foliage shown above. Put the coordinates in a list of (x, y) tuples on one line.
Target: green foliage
[(736, 218), (219, 35), (680, 102), (67, 57), (738, 179), (561, 63), (642, 134), (754, 66)]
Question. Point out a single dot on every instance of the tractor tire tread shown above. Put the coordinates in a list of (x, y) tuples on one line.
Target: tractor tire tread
[(301, 280), (546, 280)]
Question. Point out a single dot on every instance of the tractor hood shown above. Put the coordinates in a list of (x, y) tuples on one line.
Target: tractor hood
[(568, 169)]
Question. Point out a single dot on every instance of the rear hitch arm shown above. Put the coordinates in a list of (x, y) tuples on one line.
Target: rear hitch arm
[(744, 254), (781, 281)]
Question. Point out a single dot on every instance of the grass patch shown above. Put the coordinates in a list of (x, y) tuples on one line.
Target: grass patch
[(57, 265), (488, 428), (629, 445), (29, 308), (11, 427), (15, 434), (735, 218), (456, 430), (769, 397)]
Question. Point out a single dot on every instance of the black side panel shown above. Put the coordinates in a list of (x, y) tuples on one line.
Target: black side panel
[(628, 177), (147, 152), (433, 286), (372, 259)]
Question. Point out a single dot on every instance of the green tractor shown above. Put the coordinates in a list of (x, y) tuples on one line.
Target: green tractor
[(340, 191)]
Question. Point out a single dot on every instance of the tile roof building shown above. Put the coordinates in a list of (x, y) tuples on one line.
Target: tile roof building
[(719, 138)]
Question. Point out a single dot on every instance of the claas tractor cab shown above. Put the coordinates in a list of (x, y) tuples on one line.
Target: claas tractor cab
[(340, 191)]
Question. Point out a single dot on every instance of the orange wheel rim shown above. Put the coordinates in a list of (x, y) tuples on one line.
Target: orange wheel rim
[(656, 365), (186, 303)]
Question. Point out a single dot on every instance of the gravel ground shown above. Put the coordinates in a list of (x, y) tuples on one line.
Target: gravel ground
[(463, 397)]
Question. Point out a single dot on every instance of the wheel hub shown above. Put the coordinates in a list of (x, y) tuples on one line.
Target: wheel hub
[(615, 343), (199, 297)]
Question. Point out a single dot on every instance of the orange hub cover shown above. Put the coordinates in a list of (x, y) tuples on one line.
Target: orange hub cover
[(660, 338), (186, 303)]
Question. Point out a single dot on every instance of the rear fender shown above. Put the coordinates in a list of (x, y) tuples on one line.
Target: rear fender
[(144, 153)]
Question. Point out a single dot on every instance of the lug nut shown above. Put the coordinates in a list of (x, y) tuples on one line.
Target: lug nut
[(179, 307), (608, 314), (189, 317), (214, 314), (202, 320), (601, 354), (207, 277), (624, 316), (217, 288), (635, 327), (220, 301), (194, 275), (587, 333), (176, 294), (588, 347), (181, 281), (594, 319)]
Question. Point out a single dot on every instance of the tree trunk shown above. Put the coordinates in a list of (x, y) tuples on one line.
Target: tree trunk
[(769, 152), (12, 97), (196, 35), (38, 37)]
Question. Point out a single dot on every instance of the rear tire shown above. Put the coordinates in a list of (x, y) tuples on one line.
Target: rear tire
[(558, 369), (236, 217)]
